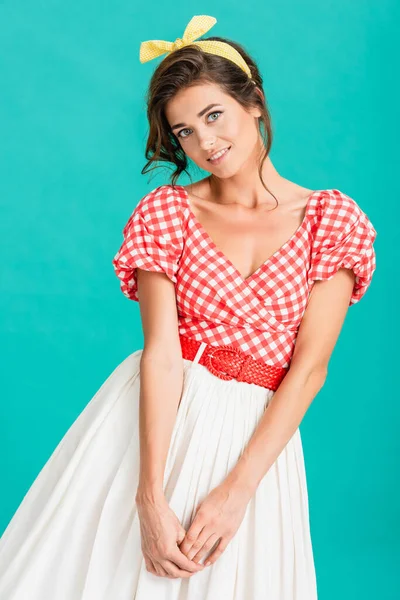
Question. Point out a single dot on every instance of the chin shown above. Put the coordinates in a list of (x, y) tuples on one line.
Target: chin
[(227, 172)]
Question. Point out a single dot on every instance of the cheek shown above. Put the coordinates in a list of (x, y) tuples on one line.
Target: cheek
[(189, 147), (241, 132), (230, 131)]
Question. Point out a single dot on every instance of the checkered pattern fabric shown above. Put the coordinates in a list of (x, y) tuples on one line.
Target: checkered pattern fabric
[(262, 313)]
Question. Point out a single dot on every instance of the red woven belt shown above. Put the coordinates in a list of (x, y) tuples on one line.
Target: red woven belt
[(228, 362)]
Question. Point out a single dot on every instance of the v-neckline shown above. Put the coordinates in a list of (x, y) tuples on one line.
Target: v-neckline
[(222, 255)]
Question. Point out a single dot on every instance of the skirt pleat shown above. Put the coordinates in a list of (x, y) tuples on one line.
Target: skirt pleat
[(76, 533)]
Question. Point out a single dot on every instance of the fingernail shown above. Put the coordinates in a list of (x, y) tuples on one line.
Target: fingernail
[(207, 563)]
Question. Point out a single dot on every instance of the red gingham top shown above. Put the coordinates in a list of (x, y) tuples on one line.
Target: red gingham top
[(260, 314)]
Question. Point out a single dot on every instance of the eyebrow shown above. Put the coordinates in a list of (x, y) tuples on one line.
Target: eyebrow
[(200, 114)]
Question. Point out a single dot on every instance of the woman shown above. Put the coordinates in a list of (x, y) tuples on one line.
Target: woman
[(191, 449)]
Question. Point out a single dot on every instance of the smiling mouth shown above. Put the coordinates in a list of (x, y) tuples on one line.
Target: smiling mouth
[(225, 151)]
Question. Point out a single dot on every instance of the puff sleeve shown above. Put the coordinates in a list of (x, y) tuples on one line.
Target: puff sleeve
[(152, 240), (343, 237)]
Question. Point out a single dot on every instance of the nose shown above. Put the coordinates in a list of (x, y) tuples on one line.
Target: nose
[(207, 142)]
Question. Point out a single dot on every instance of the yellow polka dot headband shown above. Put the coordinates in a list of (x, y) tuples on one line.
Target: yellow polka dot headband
[(196, 27)]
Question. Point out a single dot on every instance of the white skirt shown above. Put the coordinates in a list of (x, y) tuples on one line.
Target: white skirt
[(76, 534)]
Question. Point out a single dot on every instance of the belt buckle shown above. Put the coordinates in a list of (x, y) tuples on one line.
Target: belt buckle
[(243, 369), (211, 354)]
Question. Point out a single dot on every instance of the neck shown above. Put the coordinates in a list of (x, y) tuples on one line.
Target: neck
[(246, 188)]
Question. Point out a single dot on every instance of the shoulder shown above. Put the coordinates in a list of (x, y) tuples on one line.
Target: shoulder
[(342, 237), (337, 206), (164, 199), (160, 210), (338, 214)]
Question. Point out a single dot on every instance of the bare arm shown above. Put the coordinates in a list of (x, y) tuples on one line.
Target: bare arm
[(161, 378), (317, 336)]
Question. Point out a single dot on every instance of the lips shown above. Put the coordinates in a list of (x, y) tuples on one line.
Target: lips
[(218, 151)]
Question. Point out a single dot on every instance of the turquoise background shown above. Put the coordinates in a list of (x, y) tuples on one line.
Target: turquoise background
[(74, 127)]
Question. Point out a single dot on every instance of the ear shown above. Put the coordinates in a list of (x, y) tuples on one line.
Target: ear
[(259, 92), (255, 111)]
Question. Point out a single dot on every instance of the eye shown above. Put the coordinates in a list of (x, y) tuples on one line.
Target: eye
[(180, 132), (216, 112)]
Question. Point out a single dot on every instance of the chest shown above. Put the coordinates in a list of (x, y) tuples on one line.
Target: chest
[(248, 238), (210, 286)]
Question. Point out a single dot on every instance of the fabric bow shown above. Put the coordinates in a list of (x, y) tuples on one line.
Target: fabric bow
[(197, 26)]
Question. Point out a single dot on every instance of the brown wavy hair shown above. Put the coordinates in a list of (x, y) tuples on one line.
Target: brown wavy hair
[(190, 66)]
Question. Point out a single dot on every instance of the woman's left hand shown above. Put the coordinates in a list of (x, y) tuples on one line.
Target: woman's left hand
[(218, 516)]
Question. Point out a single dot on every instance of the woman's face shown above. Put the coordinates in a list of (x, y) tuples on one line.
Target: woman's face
[(204, 120)]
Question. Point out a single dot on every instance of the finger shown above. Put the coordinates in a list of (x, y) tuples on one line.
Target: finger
[(182, 562), (215, 554), (191, 536), (161, 572), (173, 571), (207, 546), (181, 535), (150, 566), (199, 543), (197, 524)]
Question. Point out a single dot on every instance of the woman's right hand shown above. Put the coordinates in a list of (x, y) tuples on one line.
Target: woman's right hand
[(161, 532)]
